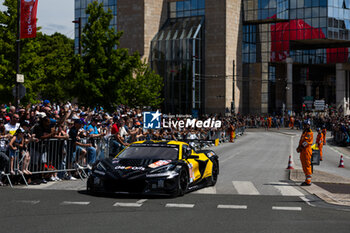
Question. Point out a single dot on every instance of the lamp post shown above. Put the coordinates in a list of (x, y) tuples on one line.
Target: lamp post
[(18, 40), (79, 35)]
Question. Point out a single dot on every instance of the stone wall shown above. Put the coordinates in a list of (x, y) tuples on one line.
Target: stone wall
[(140, 20), (223, 71)]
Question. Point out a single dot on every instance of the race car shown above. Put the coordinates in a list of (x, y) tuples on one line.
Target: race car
[(155, 167)]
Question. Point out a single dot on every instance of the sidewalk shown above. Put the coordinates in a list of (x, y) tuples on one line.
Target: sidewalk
[(331, 188)]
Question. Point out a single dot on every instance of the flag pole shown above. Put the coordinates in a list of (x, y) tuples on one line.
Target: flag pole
[(18, 41)]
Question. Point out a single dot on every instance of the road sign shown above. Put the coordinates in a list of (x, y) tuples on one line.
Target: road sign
[(319, 105), (21, 91), (20, 78)]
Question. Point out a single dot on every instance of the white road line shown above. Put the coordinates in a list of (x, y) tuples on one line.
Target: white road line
[(75, 203), (305, 199), (171, 205), (141, 201), (286, 190), (121, 204), (338, 152), (245, 187), (240, 207), (34, 202), (286, 208), (208, 190)]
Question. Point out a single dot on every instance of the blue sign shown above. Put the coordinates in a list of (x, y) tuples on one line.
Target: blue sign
[(151, 120)]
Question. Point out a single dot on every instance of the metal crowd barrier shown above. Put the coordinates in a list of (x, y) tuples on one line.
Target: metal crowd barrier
[(53, 156), (341, 138)]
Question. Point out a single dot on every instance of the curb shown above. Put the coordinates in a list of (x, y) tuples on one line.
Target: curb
[(326, 196)]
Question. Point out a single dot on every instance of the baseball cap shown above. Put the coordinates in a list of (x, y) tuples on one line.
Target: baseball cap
[(307, 122), (46, 101), (78, 121)]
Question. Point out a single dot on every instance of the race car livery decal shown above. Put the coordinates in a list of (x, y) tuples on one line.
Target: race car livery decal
[(159, 163), (129, 168), (191, 172)]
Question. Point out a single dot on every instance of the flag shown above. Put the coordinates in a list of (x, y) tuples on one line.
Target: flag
[(28, 18)]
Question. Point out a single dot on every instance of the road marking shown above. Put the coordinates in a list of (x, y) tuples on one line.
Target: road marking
[(245, 187), (207, 190), (171, 205), (241, 207), (338, 152), (75, 203), (34, 202), (286, 190), (305, 199), (121, 204), (141, 201), (286, 208)]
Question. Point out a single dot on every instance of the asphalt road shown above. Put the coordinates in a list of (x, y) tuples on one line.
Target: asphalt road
[(253, 194)]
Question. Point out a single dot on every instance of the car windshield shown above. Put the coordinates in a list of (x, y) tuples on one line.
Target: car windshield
[(153, 151)]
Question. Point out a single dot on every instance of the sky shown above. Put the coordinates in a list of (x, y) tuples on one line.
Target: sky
[(55, 16)]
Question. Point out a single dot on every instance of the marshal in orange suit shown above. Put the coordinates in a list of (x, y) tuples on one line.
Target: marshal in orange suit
[(305, 151), (319, 142)]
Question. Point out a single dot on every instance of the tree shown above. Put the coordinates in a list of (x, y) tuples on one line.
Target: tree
[(8, 58), (104, 75), (141, 89), (97, 72), (45, 61)]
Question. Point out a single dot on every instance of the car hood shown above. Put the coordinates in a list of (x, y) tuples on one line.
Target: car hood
[(135, 168)]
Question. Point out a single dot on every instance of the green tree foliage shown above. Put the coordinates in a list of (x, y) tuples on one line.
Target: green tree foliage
[(45, 61), (8, 30), (105, 74), (141, 89)]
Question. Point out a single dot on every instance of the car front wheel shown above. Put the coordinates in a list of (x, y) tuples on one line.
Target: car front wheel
[(182, 183), (214, 174)]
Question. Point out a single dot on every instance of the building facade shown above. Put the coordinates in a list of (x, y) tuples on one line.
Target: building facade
[(250, 56)]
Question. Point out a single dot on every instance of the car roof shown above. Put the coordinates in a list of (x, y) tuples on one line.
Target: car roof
[(172, 142)]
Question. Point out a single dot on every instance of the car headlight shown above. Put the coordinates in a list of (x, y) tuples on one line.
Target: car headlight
[(167, 174), (163, 172)]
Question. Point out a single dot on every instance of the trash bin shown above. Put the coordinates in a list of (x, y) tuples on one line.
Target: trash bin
[(315, 159)]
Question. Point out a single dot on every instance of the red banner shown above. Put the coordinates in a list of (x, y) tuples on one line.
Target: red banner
[(28, 18)]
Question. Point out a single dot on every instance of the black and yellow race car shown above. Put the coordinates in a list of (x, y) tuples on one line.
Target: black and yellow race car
[(155, 167)]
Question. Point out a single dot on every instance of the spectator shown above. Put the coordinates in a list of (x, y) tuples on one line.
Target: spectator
[(16, 146), (13, 125), (4, 115), (4, 159), (73, 134)]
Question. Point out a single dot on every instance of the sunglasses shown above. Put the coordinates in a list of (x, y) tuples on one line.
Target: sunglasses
[(16, 118)]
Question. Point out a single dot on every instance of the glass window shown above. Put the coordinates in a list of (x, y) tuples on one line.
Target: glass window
[(315, 3), (308, 3), (315, 12)]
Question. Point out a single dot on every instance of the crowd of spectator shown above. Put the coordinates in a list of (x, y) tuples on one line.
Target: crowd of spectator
[(24, 134)]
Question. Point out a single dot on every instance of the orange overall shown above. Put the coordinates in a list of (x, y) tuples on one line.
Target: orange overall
[(269, 122), (291, 122), (305, 144), (319, 142), (231, 131), (324, 132)]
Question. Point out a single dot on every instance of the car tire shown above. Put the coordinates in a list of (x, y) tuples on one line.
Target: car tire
[(214, 174), (183, 183), (90, 189)]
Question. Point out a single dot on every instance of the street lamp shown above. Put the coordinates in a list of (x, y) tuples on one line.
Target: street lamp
[(79, 36)]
